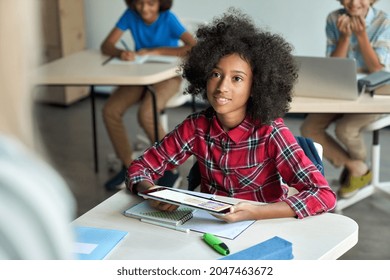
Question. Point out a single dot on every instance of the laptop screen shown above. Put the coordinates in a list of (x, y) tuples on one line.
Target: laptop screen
[(326, 77)]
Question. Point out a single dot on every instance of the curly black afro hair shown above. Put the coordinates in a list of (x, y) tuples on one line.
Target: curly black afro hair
[(273, 66)]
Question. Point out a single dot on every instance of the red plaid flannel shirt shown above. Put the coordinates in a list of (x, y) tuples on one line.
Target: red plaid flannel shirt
[(247, 162)]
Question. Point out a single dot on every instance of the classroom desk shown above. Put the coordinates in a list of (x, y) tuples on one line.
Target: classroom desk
[(364, 104), (326, 236), (86, 68)]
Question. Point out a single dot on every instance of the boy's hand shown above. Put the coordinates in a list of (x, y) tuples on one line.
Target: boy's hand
[(358, 25), (344, 25), (127, 55)]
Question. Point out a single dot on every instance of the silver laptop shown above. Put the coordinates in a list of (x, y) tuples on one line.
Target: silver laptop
[(326, 77)]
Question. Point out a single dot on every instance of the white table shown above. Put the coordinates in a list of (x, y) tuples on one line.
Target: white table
[(364, 104), (87, 68), (327, 236)]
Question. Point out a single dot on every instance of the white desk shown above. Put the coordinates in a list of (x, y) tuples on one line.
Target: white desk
[(326, 236), (364, 104), (86, 68)]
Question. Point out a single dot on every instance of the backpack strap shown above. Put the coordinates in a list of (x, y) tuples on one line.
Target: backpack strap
[(311, 152), (193, 177)]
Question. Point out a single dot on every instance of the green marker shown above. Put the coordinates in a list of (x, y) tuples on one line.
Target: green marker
[(215, 243)]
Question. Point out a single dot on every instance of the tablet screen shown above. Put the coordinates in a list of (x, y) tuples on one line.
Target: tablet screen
[(178, 197)]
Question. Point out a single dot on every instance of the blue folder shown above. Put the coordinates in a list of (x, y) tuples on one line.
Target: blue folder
[(275, 248), (95, 243)]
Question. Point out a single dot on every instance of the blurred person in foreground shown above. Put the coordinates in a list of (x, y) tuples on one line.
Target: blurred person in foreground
[(36, 206)]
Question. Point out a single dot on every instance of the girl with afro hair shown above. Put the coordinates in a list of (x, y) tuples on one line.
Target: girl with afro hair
[(242, 146)]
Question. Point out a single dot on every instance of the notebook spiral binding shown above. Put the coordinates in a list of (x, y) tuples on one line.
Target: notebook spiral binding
[(181, 215)]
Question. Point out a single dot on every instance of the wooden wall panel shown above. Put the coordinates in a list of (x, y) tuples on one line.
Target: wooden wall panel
[(63, 32)]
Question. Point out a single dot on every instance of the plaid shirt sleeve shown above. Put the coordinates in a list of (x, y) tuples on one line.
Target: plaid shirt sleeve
[(172, 151), (314, 194)]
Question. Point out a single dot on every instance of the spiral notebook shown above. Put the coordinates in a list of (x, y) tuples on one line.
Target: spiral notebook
[(145, 212)]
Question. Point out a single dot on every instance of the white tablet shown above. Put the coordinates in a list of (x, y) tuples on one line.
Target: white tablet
[(177, 197)]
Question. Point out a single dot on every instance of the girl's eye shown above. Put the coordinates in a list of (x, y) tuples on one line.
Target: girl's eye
[(215, 75), (237, 79)]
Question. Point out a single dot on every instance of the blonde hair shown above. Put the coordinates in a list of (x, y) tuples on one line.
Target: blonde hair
[(18, 54)]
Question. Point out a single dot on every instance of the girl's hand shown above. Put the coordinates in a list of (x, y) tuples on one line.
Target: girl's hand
[(127, 55), (144, 186), (240, 212), (162, 205)]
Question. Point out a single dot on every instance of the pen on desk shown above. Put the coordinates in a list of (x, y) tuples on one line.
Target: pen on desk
[(125, 45), (107, 60), (111, 57), (215, 243), (182, 229)]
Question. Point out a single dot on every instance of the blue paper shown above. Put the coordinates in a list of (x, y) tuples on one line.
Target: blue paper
[(95, 243), (275, 248)]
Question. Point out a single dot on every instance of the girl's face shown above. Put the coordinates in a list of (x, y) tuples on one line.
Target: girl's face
[(229, 88), (357, 7), (148, 10)]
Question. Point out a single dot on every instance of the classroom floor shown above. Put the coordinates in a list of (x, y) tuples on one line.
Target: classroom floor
[(66, 135)]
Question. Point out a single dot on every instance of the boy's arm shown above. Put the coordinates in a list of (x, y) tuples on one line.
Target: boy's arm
[(342, 45), (369, 55), (108, 47), (188, 40)]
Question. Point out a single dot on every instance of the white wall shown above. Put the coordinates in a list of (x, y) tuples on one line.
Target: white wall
[(301, 22)]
